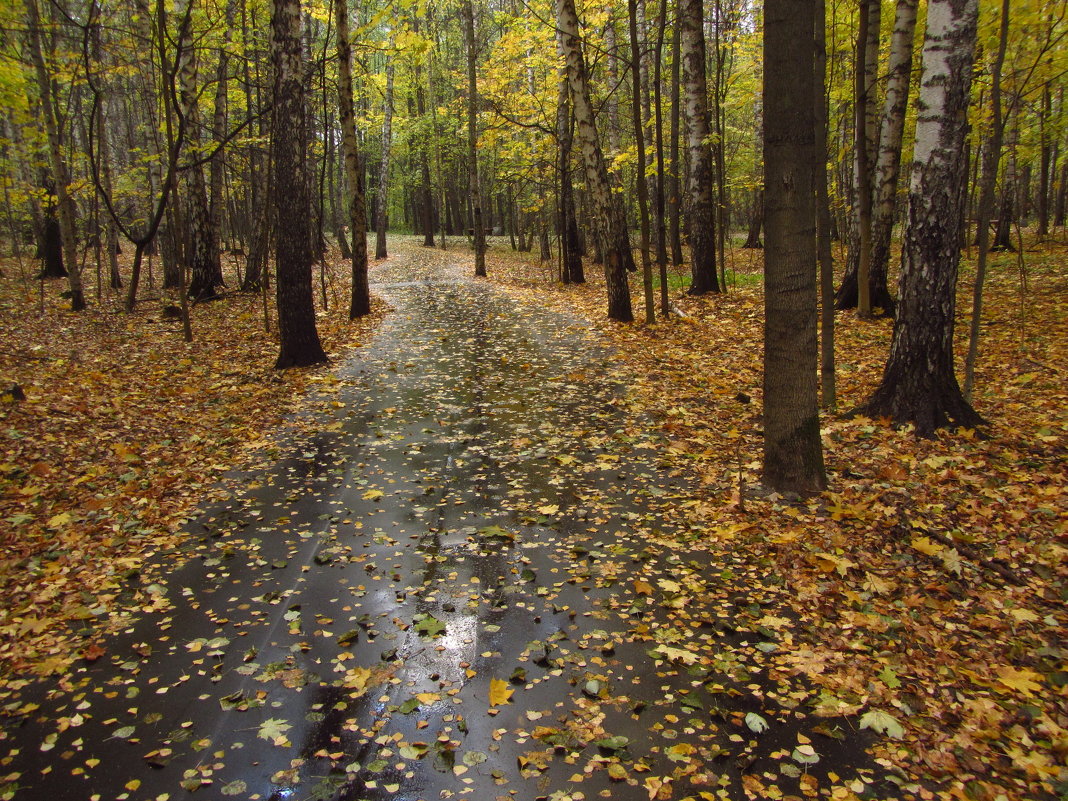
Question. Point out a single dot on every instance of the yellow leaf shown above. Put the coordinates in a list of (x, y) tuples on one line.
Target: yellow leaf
[(877, 585), (372, 495), (643, 587), (551, 509), (500, 692), (62, 519), (926, 546), (133, 784), (1023, 680), (1023, 615), (428, 698), (667, 585)]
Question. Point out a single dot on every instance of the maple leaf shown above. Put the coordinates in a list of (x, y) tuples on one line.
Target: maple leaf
[(1020, 679), (883, 723), (274, 730), (926, 545), (499, 692)]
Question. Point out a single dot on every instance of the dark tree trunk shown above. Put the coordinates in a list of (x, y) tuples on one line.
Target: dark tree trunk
[(298, 337), (756, 221), (675, 180), (50, 249), (793, 452)]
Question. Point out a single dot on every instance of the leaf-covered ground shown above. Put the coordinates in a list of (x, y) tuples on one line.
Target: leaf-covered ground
[(928, 582), (511, 559), (124, 428)]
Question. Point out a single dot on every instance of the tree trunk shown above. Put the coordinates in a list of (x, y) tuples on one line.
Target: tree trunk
[(700, 205), (202, 248), (756, 220), (867, 63), (472, 140), (824, 254), (381, 206), (918, 384), (360, 302), (661, 173), (607, 206), (1045, 158), (640, 179), (675, 180), (297, 334), (987, 186), (888, 166), (793, 453), (65, 210), (570, 247)]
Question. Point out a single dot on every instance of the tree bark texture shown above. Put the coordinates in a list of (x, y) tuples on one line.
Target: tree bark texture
[(202, 249), (360, 301), (472, 140), (381, 206), (570, 247), (793, 453), (888, 164), (297, 333), (700, 202), (65, 210), (918, 384), (607, 206)]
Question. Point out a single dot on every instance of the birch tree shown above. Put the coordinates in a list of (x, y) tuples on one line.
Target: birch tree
[(607, 206), (919, 385), (701, 209)]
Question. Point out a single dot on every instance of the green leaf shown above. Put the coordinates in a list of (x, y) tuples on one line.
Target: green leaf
[(756, 723), (273, 729), (617, 743), (889, 678), (883, 723), (236, 787), (428, 625)]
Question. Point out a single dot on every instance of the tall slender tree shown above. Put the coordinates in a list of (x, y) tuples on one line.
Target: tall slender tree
[(607, 206), (919, 385), (65, 209), (298, 337), (793, 453), (360, 301), (381, 205), (472, 139), (701, 207)]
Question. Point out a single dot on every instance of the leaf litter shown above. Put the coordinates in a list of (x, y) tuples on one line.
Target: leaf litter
[(667, 625)]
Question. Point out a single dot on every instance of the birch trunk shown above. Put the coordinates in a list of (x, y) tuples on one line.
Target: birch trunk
[(607, 206), (888, 166), (919, 385), (701, 209)]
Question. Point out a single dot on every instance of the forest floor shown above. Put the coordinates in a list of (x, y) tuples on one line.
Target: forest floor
[(921, 597)]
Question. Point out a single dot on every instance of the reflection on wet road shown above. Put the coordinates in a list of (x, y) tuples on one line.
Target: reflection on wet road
[(426, 596)]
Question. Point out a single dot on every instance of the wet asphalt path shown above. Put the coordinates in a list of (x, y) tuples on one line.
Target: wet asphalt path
[(452, 532)]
